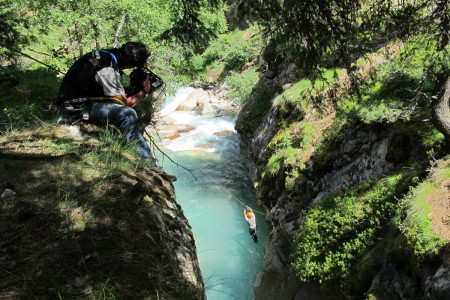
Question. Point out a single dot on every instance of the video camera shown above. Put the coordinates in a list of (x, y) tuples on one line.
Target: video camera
[(155, 81), (137, 78)]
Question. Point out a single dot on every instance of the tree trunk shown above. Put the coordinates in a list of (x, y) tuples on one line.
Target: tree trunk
[(79, 38), (95, 26), (119, 29), (441, 111)]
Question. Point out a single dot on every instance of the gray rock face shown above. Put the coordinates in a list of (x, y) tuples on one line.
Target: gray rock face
[(179, 242), (360, 158), (394, 283), (275, 281), (360, 155), (438, 286)]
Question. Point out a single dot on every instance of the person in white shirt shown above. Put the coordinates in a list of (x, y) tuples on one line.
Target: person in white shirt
[(251, 220)]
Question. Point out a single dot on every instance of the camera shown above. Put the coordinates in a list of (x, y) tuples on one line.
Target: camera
[(155, 81), (137, 78)]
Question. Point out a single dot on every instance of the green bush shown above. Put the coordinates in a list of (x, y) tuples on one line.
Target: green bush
[(341, 228), (215, 51), (421, 241), (397, 90), (238, 56), (241, 84)]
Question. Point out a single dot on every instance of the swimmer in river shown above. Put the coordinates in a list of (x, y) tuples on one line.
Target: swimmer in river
[(251, 220)]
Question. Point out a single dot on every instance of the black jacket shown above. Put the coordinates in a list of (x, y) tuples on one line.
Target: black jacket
[(79, 81)]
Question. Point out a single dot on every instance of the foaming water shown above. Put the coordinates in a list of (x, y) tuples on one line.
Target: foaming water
[(213, 193)]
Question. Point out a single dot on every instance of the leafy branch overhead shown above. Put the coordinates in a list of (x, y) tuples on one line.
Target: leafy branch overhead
[(318, 33), (188, 27), (10, 22)]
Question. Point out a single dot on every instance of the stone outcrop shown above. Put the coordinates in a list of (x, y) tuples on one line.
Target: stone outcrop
[(362, 152), (90, 227), (395, 283), (204, 103), (360, 156)]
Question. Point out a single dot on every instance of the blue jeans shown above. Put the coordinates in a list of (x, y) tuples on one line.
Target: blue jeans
[(124, 117)]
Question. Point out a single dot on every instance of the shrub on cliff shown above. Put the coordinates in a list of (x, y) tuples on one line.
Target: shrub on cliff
[(341, 228), (422, 235)]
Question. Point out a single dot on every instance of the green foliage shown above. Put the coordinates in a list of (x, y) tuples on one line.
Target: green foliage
[(398, 90), (190, 27), (18, 117), (341, 228), (307, 135), (381, 112), (234, 49), (296, 96), (275, 162), (287, 150), (415, 226), (214, 52), (112, 157), (391, 97), (241, 84), (315, 32), (238, 56), (300, 95), (64, 30), (432, 138), (12, 27), (26, 103)]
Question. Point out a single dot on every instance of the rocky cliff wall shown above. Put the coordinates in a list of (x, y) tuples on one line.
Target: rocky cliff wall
[(361, 152), (359, 157)]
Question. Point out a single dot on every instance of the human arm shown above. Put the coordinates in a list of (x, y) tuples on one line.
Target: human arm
[(134, 99)]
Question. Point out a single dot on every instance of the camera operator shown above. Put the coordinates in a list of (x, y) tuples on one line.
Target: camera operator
[(95, 78)]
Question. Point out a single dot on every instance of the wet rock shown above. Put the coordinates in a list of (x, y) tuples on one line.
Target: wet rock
[(224, 133), (194, 101), (173, 131), (173, 135)]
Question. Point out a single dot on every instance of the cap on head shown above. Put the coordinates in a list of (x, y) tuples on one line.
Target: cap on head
[(249, 214), (134, 54)]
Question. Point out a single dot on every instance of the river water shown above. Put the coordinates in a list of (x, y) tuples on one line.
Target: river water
[(213, 193)]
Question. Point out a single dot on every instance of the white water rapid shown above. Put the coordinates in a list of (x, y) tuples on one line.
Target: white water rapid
[(213, 197)]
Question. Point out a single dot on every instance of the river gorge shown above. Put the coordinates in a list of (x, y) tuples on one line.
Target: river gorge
[(212, 187)]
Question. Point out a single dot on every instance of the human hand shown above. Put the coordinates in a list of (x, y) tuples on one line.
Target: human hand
[(147, 85), (133, 100)]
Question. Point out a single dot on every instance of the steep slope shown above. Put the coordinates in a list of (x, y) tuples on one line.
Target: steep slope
[(93, 224), (334, 170)]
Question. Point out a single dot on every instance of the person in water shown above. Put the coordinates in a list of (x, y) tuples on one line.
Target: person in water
[(251, 220)]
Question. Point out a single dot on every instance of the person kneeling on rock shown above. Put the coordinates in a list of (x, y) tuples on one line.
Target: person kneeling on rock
[(251, 220)]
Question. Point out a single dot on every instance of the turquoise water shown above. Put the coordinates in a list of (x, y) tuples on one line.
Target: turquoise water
[(213, 195)]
